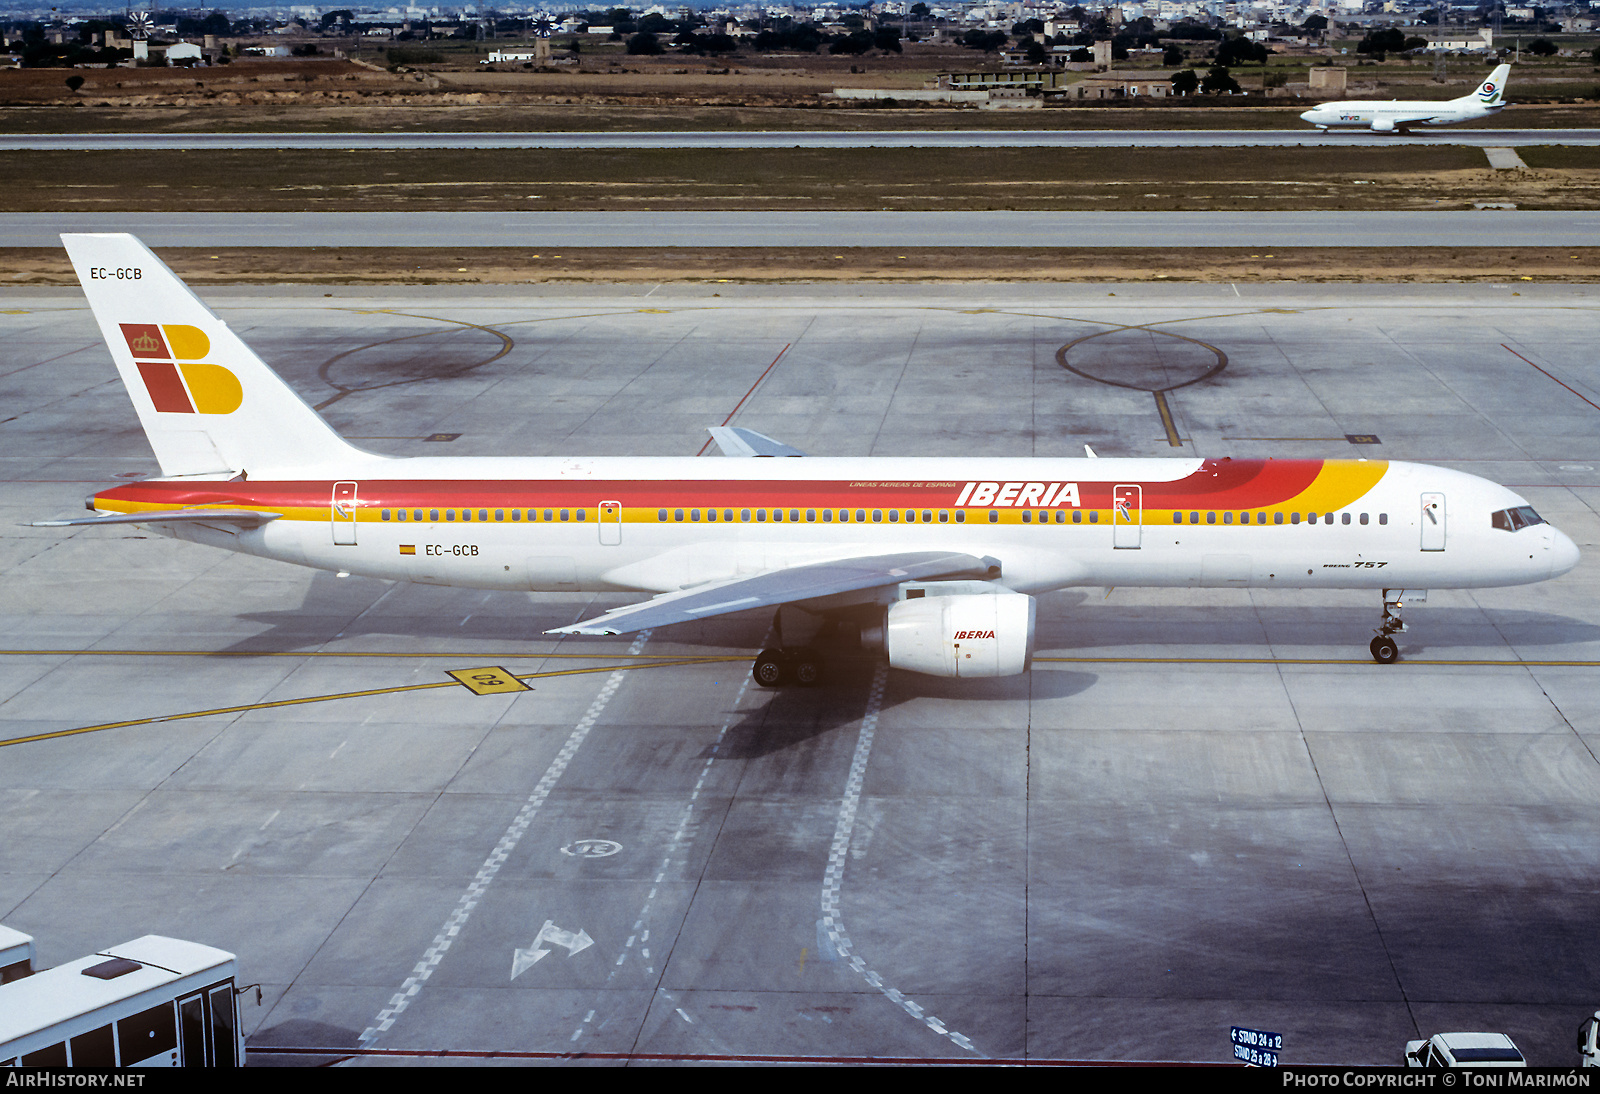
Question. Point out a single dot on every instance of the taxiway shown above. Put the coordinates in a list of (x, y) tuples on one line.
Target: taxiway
[(1201, 808)]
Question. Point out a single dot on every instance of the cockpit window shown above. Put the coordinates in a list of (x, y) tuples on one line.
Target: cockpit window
[(1512, 520)]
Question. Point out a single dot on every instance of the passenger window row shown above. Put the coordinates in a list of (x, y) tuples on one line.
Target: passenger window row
[(484, 516), (1507, 519), (810, 516), (1277, 518)]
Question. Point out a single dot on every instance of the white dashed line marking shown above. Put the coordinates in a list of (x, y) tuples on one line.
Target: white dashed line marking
[(491, 866)]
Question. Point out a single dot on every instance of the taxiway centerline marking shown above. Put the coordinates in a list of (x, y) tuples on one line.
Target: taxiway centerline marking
[(1499, 663), (1166, 420), (721, 659), (665, 660), (449, 656), (154, 719)]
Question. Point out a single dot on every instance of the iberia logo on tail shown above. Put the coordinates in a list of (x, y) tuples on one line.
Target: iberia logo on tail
[(179, 382)]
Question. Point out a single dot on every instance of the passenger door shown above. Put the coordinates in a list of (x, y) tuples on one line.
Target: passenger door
[(610, 523), (343, 514), (1127, 516), (1433, 522)]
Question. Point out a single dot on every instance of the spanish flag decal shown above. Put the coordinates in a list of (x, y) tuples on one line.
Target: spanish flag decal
[(408, 548), (179, 382)]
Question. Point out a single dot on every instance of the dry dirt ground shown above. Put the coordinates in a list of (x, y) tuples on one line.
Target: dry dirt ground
[(1409, 176), (514, 266), (616, 92)]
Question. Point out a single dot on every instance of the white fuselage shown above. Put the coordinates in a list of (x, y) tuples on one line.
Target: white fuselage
[(659, 536), (1395, 114)]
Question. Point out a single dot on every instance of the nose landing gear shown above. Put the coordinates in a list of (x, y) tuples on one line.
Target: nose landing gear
[(1384, 650)]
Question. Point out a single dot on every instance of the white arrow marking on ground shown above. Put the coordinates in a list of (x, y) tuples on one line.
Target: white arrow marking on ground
[(571, 941)]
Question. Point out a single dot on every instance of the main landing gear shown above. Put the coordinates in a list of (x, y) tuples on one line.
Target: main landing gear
[(1384, 650), (782, 667)]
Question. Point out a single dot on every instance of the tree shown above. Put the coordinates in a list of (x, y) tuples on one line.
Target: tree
[(919, 10), (855, 43), (986, 40), (1542, 47), (1185, 82), (804, 38), (1379, 42), (643, 44), (1238, 51), (1173, 57), (1318, 23), (1218, 81), (74, 82)]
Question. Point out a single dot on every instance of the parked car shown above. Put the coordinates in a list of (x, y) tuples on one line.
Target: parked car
[(1464, 1050)]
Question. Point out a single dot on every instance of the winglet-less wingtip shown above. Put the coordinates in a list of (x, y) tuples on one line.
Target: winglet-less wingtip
[(737, 441)]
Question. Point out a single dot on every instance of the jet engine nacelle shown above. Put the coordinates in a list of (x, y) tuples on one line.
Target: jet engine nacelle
[(1383, 125), (988, 634)]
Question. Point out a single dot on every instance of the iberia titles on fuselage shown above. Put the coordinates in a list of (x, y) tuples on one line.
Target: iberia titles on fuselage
[(933, 561)]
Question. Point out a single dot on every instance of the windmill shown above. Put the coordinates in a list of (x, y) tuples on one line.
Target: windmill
[(543, 27), (139, 23)]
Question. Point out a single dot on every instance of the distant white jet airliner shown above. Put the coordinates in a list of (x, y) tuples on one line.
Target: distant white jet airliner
[(1398, 115), (934, 562)]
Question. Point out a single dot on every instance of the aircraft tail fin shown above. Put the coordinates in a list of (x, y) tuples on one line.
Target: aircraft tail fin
[(1492, 92), (208, 404)]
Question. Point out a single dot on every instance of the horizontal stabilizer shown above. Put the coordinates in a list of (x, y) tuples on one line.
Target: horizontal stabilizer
[(251, 518), (787, 586), (735, 441)]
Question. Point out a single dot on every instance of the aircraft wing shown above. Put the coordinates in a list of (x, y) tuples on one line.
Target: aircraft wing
[(250, 518), (785, 586), (736, 441)]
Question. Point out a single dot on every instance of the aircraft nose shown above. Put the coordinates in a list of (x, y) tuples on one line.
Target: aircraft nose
[(1563, 554), (1306, 116)]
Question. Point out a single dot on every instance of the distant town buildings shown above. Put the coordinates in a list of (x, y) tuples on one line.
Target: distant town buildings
[(1053, 26)]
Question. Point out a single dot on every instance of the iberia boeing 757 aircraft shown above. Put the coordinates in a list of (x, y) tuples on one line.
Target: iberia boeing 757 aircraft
[(933, 562)]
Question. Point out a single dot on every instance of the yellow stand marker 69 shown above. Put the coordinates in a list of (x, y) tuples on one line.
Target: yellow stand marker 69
[(490, 680)]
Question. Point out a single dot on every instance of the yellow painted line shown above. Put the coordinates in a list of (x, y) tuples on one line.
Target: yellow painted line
[(1166, 420), (488, 680), (1496, 663), (449, 656), (662, 659), (243, 707)]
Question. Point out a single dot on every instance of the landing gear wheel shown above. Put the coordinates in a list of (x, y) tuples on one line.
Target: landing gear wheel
[(770, 669), (1384, 651), (806, 669)]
